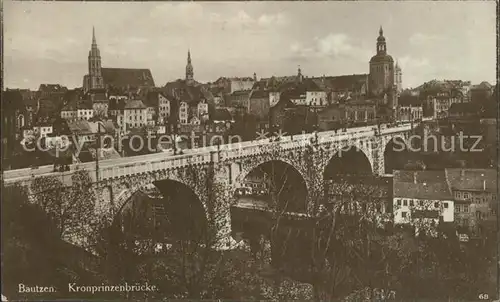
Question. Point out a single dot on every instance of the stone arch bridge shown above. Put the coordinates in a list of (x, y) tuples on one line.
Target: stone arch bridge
[(226, 165)]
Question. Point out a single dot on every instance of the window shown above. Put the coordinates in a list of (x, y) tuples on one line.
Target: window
[(405, 202), (445, 205), (466, 208), (436, 204), (411, 203), (399, 202), (457, 208), (403, 214)]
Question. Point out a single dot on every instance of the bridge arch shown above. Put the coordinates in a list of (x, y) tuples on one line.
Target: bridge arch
[(351, 159), (397, 152), (281, 180), (165, 208)]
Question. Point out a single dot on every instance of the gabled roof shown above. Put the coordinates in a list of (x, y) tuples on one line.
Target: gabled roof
[(127, 77), (430, 185), (190, 93), (222, 114), (472, 179), (259, 94), (342, 83), (79, 127), (134, 104)]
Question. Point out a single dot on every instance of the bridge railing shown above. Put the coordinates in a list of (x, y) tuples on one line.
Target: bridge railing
[(158, 161)]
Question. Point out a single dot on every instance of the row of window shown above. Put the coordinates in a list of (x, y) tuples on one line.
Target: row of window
[(411, 203)]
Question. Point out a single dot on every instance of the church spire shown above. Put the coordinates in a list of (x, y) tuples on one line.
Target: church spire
[(189, 68), (94, 64), (381, 31), (93, 36)]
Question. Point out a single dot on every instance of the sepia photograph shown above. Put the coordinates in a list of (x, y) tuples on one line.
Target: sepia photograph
[(250, 150)]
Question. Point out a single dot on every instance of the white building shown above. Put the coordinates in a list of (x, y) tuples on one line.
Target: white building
[(42, 130), (84, 111), (422, 199), (203, 110), (316, 98), (135, 114), (274, 98), (183, 113), (163, 108)]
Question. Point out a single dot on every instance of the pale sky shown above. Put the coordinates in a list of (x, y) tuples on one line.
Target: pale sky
[(48, 42)]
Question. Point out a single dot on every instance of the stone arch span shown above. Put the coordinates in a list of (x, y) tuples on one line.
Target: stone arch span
[(396, 152), (165, 208), (350, 160), (282, 182)]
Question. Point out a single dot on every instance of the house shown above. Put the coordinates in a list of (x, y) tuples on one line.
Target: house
[(84, 111), (475, 196), (188, 95), (338, 87), (42, 129), (422, 199), (331, 117), (260, 102), (135, 114), (442, 102), (238, 99), (100, 103), (360, 111)]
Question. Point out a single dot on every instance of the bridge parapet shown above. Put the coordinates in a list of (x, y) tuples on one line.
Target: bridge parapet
[(123, 167)]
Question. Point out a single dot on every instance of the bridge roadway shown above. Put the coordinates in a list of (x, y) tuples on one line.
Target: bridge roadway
[(138, 164)]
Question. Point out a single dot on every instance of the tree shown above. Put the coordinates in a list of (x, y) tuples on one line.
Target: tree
[(32, 251), (71, 208)]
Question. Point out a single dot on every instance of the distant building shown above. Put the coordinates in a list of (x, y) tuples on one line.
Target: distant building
[(259, 104), (230, 85), (135, 114), (481, 93), (122, 79), (341, 87), (443, 101), (191, 99)]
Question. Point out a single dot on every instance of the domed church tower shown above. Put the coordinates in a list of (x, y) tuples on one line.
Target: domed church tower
[(381, 69)]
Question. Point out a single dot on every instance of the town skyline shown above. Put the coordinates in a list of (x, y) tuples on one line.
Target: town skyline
[(237, 40)]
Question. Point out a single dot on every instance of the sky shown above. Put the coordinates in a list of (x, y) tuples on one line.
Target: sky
[(48, 42)]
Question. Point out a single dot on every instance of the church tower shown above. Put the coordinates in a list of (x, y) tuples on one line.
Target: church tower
[(398, 77), (95, 80), (381, 69), (300, 77), (189, 69)]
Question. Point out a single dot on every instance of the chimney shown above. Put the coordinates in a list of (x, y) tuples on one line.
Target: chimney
[(484, 184)]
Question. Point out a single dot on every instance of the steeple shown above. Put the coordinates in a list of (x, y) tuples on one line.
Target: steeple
[(189, 69), (381, 45), (299, 74), (94, 64)]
